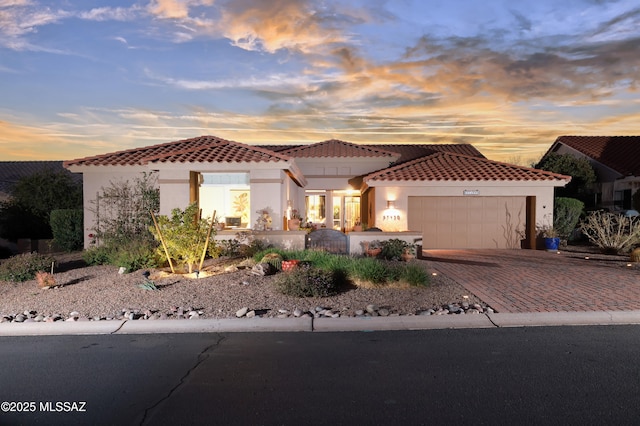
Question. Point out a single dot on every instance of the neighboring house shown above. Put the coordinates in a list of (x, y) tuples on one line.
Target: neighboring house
[(616, 161), (450, 193)]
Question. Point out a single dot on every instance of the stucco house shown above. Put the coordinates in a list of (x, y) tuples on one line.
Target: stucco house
[(616, 161), (450, 194)]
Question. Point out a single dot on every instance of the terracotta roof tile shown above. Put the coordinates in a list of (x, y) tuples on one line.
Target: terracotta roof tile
[(335, 148), (410, 152), (620, 153), (200, 149), (457, 167)]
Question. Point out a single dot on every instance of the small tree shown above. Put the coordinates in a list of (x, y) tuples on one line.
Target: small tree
[(33, 198), (566, 214), (66, 225), (184, 235), (580, 170)]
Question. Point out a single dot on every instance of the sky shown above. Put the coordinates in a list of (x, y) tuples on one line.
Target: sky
[(88, 77)]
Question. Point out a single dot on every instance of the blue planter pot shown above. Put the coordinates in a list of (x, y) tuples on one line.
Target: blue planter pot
[(552, 244)]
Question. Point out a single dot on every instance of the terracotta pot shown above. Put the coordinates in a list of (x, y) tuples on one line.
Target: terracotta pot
[(357, 228), (374, 252), (288, 265), (293, 224), (407, 256)]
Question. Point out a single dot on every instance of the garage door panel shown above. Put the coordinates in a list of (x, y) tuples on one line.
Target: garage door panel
[(467, 222)]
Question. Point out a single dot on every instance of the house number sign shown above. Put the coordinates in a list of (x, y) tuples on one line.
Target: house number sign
[(391, 217), (470, 192)]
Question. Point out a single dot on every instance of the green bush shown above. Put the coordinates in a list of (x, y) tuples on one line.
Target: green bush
[(262, 253), (184, 235), (415, 275), (273, 259), (135, 255), (308, 282), (23, 267), (131, 256), (368, 269), (566, 214), (393, 248), (67, 228), (100, 255)]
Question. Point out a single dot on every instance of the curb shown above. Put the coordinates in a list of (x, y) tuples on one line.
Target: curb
[(431, 322), (286, 325), (543, 319)]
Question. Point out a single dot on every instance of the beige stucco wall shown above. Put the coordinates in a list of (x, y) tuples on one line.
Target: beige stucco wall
[(396, 220), (95, 179)]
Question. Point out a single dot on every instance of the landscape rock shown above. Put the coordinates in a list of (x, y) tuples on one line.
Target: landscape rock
[(242, 312), (263, 269)]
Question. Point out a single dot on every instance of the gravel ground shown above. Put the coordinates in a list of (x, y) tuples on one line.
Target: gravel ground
[(100, 291)]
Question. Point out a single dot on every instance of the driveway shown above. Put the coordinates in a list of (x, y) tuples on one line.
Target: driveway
[(541, 281)]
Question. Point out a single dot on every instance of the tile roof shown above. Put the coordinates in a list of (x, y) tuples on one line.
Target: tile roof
[(410, 152), (441, 166), (12, 171), (620, 153), (335, 148), (200, 149)]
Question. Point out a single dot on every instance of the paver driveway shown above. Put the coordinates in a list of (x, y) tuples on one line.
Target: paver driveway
[(541, 281)]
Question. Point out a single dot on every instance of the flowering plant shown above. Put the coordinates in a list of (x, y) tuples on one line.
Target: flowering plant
[(295, 214)]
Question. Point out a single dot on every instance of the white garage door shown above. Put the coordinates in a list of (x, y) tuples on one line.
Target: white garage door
[(468, 222)]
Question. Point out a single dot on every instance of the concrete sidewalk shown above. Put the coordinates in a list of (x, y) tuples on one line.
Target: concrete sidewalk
[(495, 320)]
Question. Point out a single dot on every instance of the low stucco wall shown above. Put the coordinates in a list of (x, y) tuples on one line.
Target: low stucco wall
[(295, 240), (288, 240), (356, 238)]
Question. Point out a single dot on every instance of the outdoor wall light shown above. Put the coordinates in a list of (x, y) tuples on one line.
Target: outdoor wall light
[(391, 204)]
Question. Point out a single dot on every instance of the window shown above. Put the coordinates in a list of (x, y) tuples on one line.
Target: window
[(315, 207), (228, 195)]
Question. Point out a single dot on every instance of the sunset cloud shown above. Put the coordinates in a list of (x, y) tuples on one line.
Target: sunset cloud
[(508, 77)]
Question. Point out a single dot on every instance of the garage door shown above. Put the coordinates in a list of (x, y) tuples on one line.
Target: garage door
[(468, 222)]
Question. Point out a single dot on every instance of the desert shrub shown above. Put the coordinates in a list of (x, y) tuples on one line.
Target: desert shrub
[(262, 253), (184, 235), (229, 248), (415, 275), (45, 279), (368, 269), (135, 255), (24, 267), (100, 255), (274, 259), (308, 282), (611, 232), (393, 248), (66, 226), (131, 256), (566, 214)]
